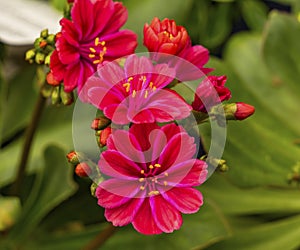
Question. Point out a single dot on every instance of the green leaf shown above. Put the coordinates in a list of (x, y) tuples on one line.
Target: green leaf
[(254, 13), (10, 208), (53, 185), (282, 234)]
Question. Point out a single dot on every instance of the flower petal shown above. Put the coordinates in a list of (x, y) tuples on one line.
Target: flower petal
[(166, 216), (143, 221), (124, 214), (186, 200)]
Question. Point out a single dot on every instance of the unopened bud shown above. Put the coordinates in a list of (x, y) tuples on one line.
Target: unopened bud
[(100, 123), (55, 97), (73, 157), (47, 59), (37, 43), (105, 133), (51, 39), (238, 111), (39, 58), (30, 55), (46, 90), (82, 169), (67, 98), (93, 189), (43, 44), (44, 33), (51, 80)]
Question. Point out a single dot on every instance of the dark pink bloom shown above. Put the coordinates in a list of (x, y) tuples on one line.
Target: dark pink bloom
[(136, 93), (91, 37), (166, 37), (211, 92), (153, 174)]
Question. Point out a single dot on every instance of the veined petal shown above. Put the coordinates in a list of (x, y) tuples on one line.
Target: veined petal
[(166, 216), (186, 200), (143, 221), (67, 53), (69, 32), (124, 214)]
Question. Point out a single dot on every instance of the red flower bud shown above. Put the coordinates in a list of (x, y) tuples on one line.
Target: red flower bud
[(83, 169), (165, 37), (243, 111), (105, 133), (100, 123), (51, 80), (73, 157), (43, 44)]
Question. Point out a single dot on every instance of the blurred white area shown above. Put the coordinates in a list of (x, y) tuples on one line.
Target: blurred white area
[(21, 21)]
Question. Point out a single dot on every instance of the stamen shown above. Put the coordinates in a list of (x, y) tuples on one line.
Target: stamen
[(127, 86), (92, 50), (102, 43), (142, 171), (96, 61), (151, 166), (157, 165), (141, 179), (154, 88), (166, 174), (151, 85), (142, 188), (96, 41), (154, 192), (133, 93), (165, 183), (146, 94), (130, 79), (91, 55)]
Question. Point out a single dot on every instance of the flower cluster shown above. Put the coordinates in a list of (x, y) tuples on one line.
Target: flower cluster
[(148, 163)]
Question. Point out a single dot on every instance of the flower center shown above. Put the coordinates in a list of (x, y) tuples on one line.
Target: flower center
[(169, 35), (140, 84), (149, 180), (98, 51)]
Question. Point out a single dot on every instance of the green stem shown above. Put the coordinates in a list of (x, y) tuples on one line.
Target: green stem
[(30, 131), (100, 239)]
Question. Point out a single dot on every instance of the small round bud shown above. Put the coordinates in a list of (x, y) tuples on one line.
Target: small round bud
[(66, 98), (55, 96), (82, 169), (100, 123), (44, 33), (43, 44), (51, 39), (39, 58), (105, 133), (30, 54), (51, 80), (243, 111), (73, 157)]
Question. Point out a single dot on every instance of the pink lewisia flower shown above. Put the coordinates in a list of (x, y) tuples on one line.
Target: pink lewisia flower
[(166, 37), (91, 37), (152, 181), (210, 92), (136, 93)]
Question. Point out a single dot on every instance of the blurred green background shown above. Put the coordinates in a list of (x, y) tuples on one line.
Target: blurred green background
[(252, 206)]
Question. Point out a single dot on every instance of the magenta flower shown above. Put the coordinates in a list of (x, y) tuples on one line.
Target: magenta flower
[(136, 93), (90, 38), (211, 92), (153, 174)]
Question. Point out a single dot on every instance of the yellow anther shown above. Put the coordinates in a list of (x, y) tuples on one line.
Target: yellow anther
[(154, 192), (154, 88), (146, 94), (104, 49), (130, 79), (165, 183), (151, 85), (141, 179), (92, 50), (157, 165), (96, 41), (166, 174), (91, 55), (96, 61), (142, 188), (142, 171), (133, 93), (151, 166), (126, 86), (102, 43)]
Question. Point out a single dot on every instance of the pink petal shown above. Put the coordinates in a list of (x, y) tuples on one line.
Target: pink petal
[(113, 163), (166, 216), (162, 75), (186, 200), (135, 65), (69, 32), (117, 20), (56, 66), (143, 221), (120, 44), (115, 192), (124, 214), (117, 113), (67, 53)]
